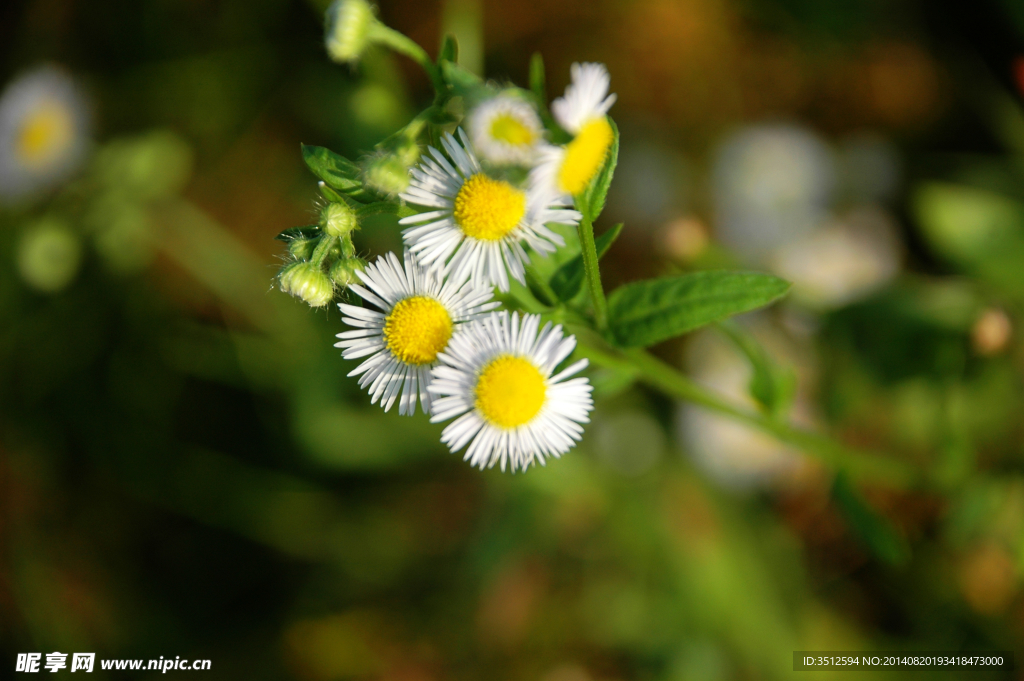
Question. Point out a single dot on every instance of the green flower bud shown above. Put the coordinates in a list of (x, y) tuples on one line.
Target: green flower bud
[(338, 219), (343, 272), (348, 29), (386, 174), (49, 255), (306, 281), (301, 249)]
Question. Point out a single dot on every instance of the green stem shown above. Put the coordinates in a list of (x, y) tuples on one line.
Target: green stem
[(590, 268), (657, 374), (321, 250), (403, 45)]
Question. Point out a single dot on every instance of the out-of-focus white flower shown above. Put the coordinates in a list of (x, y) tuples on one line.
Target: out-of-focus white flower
[(843, 261), (772, 185), (44, 124), (348, 29), (566, 171), (505, 130), (736, 455)]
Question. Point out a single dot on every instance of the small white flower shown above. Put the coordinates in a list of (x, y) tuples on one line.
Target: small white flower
[(418, 314), (585, 99), (506, 130), (566, 171), (496, 376), (479, 222), (43, 132)]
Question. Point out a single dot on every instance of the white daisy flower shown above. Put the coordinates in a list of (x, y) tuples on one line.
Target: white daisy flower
[(418, 314), (496, 377), (566, 171), (479, 221), (506, 130), (43, 131)]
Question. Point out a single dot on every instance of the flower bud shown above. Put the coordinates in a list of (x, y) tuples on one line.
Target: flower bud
[(307, 281), (343, 272), (301, 249), (386, 174), (348, 29), (49, 255), (338, 219)]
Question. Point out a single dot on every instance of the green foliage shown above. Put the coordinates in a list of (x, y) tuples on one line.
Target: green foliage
[(335, 170), (647, 312), (568, 279), (305, 232), (449, 50), (872, 528), (773, 387)]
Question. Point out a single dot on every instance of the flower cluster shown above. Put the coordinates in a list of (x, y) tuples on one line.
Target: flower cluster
[(493, 191)]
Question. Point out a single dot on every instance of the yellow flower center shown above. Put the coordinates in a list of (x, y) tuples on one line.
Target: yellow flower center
[(510, 391), (488, 209), (585, 155), (509, 129), (417, 329), (44, 135)]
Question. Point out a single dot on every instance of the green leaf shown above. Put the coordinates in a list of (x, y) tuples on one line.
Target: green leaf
[(335, 170), (772, 386), (872, 528), (306, 232), (537, 82), (568, 279), (595, 193), (449, 50), (464, 83), (647, 312)]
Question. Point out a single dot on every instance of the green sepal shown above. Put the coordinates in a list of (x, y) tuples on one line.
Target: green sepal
[(594, 195), (567, 280), (335, 170), (647, 312), (449, 50), (874, 530), (304, 232)]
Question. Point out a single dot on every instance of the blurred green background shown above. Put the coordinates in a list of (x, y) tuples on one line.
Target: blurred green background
[(186, 471)]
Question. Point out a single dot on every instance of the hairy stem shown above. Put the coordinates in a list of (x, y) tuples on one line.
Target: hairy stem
[(590, 268), (403, 45), (650, 370)]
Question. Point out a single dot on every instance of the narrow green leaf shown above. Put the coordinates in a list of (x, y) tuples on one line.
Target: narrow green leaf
[(772, 386), (872, 528), (537, 81), (647, 312), (596, 192), (568, 279), (335, 170), (305, 232), (449, 50)]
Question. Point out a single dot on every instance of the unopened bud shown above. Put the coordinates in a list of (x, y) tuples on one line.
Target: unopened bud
[(306, 281), (343, 272), (348, 29), (386, 174), (338, 219), (49, 255), (301, 249)]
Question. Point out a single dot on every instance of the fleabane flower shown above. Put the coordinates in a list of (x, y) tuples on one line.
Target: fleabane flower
[(44, 125), (496, 377), (479, 223), (506, 130), (418, 312), (567, 170)]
